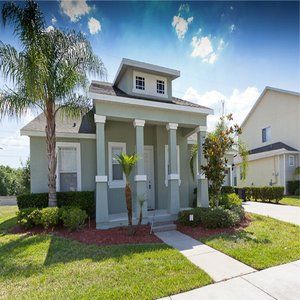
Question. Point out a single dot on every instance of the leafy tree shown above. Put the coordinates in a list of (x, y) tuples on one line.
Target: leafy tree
[(215, 146), (127, 163), (47, 74)]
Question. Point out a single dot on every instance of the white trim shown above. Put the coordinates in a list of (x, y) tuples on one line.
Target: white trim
[(146, 103), (173, 177), (172, 126), (59, 134), (78, 163), (267, 88), (99, 119), (293, 157), (115, 183), (167, 163), (201, 176), (284, 174), (201, 129), (140, 178), (137, 122), (261, 155), (101, 178)]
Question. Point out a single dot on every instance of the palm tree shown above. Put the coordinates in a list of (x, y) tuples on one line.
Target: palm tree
[(48, 72), (127, 163)]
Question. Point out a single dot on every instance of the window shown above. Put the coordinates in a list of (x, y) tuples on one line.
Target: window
[(160, 86), (139, 83), (291, 160), (68, 167), (167, 164), (266, 134), (115, 172)]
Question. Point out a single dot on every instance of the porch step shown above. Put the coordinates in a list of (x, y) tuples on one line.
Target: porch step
[(163, 226)]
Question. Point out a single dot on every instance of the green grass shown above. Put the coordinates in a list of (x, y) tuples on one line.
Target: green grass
[(48, 266), (265, 243), (291, 200)]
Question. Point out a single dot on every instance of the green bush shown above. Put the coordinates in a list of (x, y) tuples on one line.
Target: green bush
[(49, 217), (292, 186), (227, 189), (24, 218), (197, 212), (230, 200), (265, 193), (73, 218), (84, 200), (297, 192)]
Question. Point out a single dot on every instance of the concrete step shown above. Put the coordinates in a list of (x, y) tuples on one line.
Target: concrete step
[(163, 226)]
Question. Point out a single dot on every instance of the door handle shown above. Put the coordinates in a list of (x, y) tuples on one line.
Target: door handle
[(149, 185)]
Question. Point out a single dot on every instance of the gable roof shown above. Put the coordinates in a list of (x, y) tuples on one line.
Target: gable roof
[(146, 67), (266, 89), (271, 147), (106, 88)]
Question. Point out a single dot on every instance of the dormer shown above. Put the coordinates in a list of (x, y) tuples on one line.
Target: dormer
[(144, 80)]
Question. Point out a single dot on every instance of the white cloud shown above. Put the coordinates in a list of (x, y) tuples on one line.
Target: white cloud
[(94, 26), (181, 25), (238, 103), (53, 20), (74, 9), (49, 28), (231, 27), (202, 47), (15, 141)]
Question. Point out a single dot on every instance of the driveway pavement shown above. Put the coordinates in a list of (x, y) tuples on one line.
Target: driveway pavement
[(281, 282), (8, 200), (285, 213)]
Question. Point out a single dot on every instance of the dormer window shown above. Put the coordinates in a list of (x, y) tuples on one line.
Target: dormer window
[(139, 83), (160, 87)]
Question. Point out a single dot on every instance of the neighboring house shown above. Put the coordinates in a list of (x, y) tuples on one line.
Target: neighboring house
[(271, 132), (137, 113)]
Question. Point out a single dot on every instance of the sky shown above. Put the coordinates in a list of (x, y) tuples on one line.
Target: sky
[(226, 51)]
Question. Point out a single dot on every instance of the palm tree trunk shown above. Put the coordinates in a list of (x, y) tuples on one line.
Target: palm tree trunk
[(128, 196), (51, 145)]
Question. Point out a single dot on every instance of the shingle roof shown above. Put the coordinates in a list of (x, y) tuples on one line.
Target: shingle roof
[(85, 124), (274, 146), (109, 89)]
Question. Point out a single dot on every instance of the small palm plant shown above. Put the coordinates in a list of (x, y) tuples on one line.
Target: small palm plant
[(127, 163)]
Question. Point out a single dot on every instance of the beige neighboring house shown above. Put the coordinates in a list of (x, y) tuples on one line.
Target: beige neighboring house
[(271, 132)]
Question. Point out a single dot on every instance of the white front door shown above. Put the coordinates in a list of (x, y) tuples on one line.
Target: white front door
[(149, 171)]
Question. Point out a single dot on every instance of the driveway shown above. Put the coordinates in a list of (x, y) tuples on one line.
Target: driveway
[(285, 213), (8, 200), (281, 282)]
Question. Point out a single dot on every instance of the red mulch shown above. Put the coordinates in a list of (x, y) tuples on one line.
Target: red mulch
[(199, 231), (114, 236)]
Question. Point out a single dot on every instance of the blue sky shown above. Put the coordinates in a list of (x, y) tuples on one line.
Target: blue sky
[(225, 50)]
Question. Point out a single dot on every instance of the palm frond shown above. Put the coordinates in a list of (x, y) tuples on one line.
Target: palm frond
[(127, 162)]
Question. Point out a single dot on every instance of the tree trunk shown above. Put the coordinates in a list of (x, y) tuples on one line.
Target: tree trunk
[(51, 151), (128, 196)]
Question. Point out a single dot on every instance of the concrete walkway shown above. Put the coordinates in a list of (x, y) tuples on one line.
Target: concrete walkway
[(281, 282), (285, 213), (216, 264)]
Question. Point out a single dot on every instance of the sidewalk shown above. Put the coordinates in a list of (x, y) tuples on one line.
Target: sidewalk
[(216, 264), (281, 282)]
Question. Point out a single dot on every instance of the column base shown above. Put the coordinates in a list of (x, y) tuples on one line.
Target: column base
[(174, 202)]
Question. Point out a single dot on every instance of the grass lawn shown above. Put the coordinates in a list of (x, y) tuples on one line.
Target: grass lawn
[(48, 266), (266, 242), (291, 200)]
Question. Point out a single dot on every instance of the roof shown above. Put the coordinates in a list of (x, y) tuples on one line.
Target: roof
[(274, 146), (267, 88), (84, 124), (142, 66), (108, 89)]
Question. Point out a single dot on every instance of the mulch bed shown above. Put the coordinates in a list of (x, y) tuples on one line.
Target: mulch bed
[(199, 231), (113, 236)]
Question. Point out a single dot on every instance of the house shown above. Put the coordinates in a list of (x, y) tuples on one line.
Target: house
[(135, 114), (271, 132)]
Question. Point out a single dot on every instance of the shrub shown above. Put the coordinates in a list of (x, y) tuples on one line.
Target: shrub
[(227, 189), (49, 217), (197, 212), (297, 192), (84, 200), (265, 193), (240, 211), (73, 217), (230, 200), (292, 186), (24, 219)]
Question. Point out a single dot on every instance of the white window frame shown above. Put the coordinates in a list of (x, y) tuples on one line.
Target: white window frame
[(78, 163), (268, 137), (167, 163), (162, 82), (293, 160), (142, 78), (114, 184)]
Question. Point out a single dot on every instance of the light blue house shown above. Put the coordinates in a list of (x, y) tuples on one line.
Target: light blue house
[(136, 113)]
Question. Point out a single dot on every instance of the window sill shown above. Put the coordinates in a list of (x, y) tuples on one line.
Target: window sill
[(116, 184)]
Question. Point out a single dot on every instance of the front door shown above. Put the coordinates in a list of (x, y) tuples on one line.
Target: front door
[(149, 171)]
